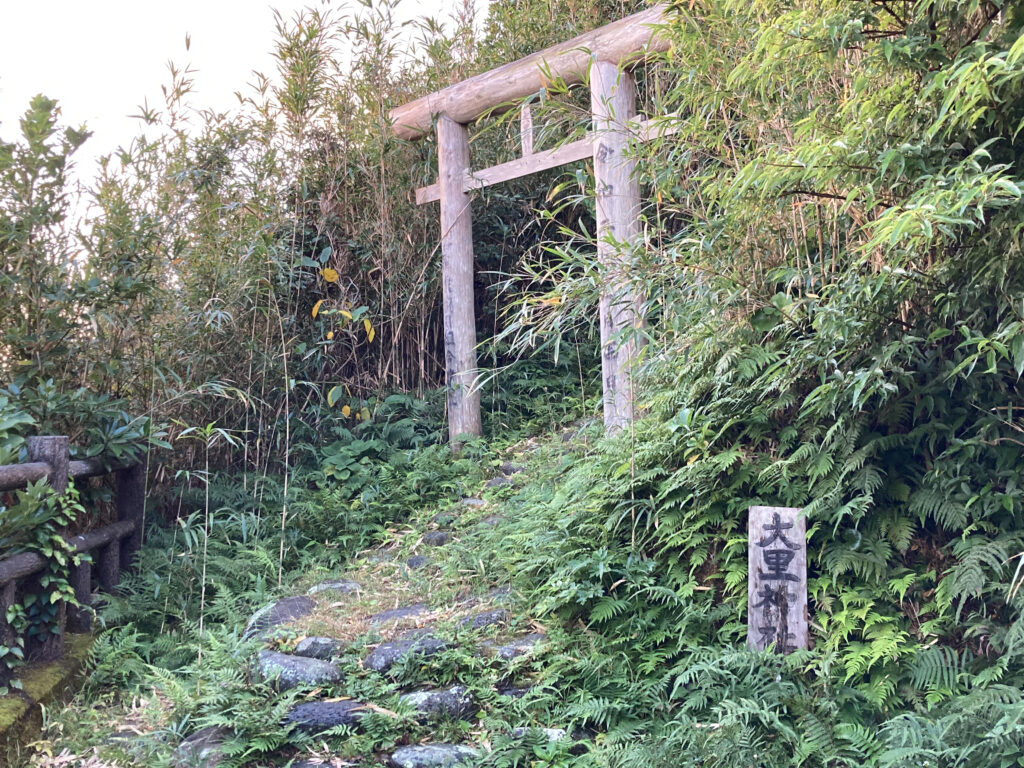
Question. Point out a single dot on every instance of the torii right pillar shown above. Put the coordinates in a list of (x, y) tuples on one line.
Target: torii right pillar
[(613, 105)]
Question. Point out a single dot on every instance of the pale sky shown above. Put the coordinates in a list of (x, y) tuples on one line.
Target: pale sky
[(101, 58)]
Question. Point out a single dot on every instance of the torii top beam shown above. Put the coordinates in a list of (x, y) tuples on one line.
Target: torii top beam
[(623, 42)]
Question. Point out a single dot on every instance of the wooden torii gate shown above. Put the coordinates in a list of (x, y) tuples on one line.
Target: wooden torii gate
[(605, 57)]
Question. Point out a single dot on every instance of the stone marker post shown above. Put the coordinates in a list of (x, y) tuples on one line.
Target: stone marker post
[(777, 579)]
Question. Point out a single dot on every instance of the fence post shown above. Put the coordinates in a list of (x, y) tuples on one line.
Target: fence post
[(131, 500), (79, 617), (109, 566), (54, 450)]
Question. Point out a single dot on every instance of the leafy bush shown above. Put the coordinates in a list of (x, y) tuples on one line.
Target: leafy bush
[(835, 311), (833, 281), (35, 523)]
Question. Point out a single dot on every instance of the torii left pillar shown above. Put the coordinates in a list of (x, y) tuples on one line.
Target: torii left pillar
[(457, 281)]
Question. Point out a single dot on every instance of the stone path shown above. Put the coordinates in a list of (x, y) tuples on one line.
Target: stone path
[(409, 635)]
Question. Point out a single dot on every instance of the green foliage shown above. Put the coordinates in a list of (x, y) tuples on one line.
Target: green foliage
[(834, 289), (34, 523), (40, 295), (13, 422), (831, 269), (96, 424), (383, 491), (266, 267), (54, 364), (398, 424)]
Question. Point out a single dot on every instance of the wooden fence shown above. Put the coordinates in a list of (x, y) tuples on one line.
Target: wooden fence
[(111, 547)]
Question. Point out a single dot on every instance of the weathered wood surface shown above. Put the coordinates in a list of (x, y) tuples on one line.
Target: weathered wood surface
[(117, 543), (777, 579), (131, 504), (53, 451), (623, 41), (79, 617), (27, 563), (108, 566), (15, 476), (8, 595), (95, 467), (513, 169), (641, 131), (457, 281), (87, 542), (50, 460), (19, 566), (526, 130), (613, 105), (604, 55)]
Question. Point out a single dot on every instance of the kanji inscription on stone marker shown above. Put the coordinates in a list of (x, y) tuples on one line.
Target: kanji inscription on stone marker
[(777, 579)]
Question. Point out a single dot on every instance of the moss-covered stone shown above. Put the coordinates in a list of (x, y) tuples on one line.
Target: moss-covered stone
[(11, 710), (20, 714)]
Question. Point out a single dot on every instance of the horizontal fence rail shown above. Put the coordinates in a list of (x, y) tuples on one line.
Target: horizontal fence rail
[(16, 476), (111, 548)]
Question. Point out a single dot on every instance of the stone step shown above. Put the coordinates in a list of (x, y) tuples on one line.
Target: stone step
[(386, 655), (492, 618), (455, 703), (551, 734), (315, 717), (286, 671), (323, 648), (403, 613), (203, 749), (445, 518), (263, 622), (432, 756), (343, 586), (514, 649), (436, 538)]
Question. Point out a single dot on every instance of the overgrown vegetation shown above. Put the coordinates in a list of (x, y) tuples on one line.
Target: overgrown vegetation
[(832, 273), (837, 327)]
